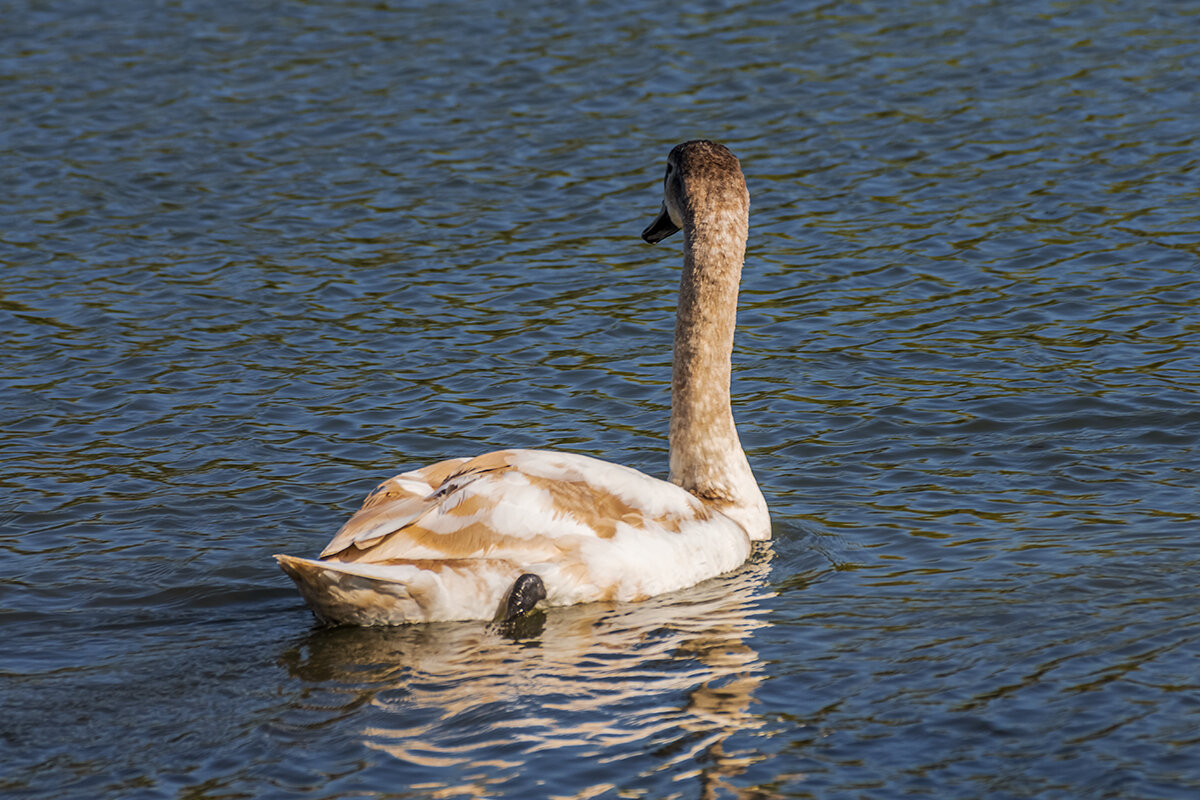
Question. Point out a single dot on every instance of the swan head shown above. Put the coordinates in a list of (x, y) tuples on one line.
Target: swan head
[(703, 178)]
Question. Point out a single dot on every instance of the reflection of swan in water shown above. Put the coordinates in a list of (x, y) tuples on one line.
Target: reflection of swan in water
[(603, 694)]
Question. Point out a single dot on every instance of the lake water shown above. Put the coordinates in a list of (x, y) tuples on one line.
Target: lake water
[(257, 257)]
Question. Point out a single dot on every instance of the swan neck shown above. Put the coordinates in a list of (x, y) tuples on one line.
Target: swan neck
[(704, 328), (706, 454)]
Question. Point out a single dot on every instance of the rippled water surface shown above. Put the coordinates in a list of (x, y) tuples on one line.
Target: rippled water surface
[(256, 257)]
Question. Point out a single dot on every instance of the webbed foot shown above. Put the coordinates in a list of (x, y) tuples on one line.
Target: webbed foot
[(526, 591)]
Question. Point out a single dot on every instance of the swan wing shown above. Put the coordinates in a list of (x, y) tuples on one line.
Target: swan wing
[(393, 504), (591, 529)]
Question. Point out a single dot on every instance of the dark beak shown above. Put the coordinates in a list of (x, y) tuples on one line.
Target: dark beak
[(661, 228)]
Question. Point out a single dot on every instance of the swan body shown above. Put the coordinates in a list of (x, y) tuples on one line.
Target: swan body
[(486, 537), (448, 541)]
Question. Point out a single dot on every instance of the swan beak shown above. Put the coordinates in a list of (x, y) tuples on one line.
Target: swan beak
[(661, 228)]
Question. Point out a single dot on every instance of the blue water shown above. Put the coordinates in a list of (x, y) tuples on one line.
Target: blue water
[(256, 258)]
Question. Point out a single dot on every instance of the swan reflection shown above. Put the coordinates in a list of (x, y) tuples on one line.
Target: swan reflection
[(626, 690)]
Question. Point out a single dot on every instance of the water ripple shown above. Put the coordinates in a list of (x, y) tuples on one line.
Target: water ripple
[(254, 260)]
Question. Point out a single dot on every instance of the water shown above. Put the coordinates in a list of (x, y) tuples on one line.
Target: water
[(257, 258)]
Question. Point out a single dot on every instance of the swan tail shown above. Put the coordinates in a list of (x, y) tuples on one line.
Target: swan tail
[(341, 593)]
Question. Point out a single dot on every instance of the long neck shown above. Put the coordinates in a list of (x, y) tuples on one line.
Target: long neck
[(706, 455)]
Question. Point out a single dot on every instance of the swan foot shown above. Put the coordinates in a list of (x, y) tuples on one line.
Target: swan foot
[(526, 591)]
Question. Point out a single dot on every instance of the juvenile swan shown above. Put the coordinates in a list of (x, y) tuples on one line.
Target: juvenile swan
[(490, 537)]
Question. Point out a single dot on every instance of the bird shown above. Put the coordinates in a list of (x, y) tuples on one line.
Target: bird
[(498, 535)]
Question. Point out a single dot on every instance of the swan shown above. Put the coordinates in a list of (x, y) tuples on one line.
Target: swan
[(492, 536)]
